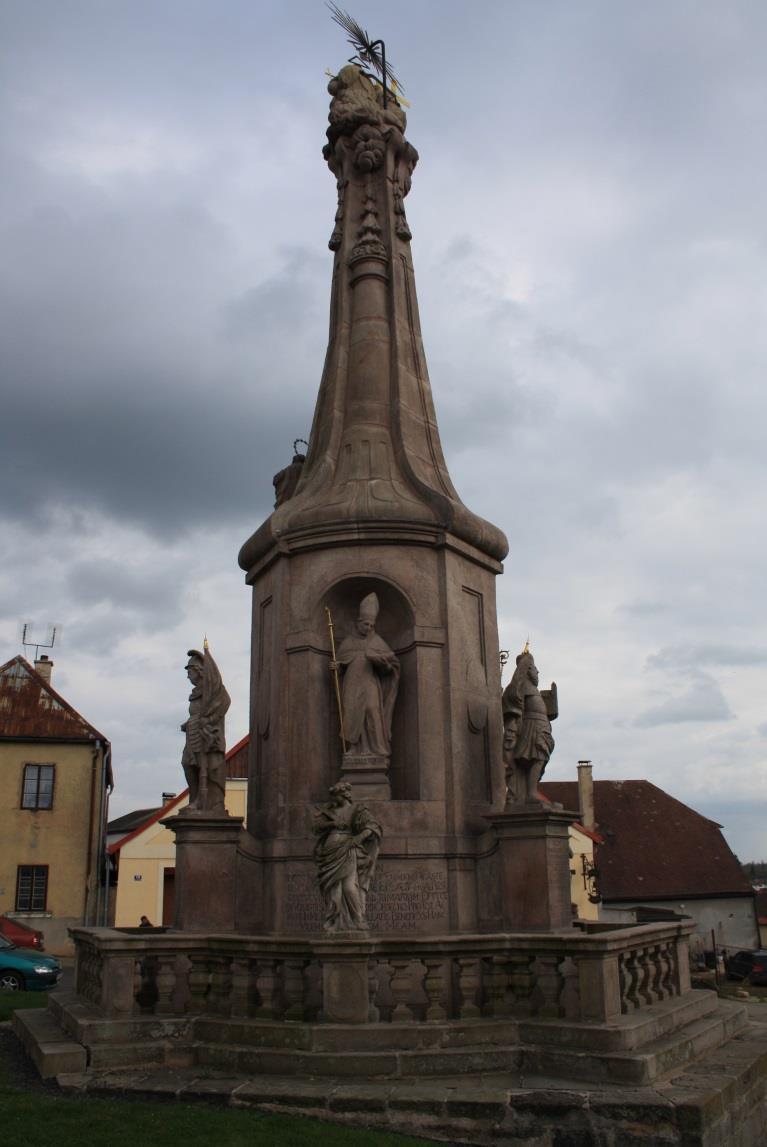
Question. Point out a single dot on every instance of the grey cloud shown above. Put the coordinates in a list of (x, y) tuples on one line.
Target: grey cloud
[(694, 656), (701, 700)]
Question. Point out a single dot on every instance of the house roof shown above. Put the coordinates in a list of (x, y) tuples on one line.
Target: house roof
[(236, 769), (237, 760), (31, 709), (130, 820), (653, 846)]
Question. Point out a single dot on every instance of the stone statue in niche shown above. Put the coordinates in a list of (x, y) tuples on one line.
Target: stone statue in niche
[(527, 740), (369, 686), (345, 855), (203, 759)]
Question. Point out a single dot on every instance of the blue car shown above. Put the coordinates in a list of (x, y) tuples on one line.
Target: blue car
[(25, 970)]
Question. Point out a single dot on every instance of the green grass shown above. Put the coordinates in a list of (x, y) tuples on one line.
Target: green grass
[(44, 1118), (40, 1121), (10, 1001)]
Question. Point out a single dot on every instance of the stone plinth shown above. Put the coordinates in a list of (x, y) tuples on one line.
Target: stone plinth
[(206, 854), (534, 867), (368, 776)]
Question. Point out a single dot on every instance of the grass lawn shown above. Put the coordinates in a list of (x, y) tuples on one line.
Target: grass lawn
[(9, 1001), (36, 1115)]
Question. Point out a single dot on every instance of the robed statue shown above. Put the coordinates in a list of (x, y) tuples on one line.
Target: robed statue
[(369, 687), (345, 854), (203, 759), (527, 740)]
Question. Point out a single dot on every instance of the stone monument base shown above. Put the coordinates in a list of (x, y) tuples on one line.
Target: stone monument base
[(597, 1033), (534, 866), (368, 775), (206, 854)]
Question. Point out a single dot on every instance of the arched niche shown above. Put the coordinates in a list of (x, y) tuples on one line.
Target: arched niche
[(395, 624)]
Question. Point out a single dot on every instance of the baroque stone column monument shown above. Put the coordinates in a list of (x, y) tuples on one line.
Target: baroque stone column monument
[(374, 533), (398, 873)]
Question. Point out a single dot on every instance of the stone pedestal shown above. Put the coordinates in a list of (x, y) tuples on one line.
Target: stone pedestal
[(534, 867), (206, 854), (368, 776)]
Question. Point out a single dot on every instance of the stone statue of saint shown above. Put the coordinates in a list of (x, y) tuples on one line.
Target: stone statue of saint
[(370, 684), (345, 855), (204, 752), (527, 740)]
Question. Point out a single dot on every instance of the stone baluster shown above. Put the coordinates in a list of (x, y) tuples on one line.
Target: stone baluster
[(656, 972), (569, 995), (665, 989), (401, 989), (469, 985), (242, 986), (548, 985), (166, 983), (435, 987), (313, 991), (522, 981), (374, 1013), (220, 997), (199, 982), (268, 988), (644, 977), (495, 977), (629, 995), (293, 988)]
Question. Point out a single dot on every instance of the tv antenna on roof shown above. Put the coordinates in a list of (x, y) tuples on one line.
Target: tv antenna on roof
[(28, 639)]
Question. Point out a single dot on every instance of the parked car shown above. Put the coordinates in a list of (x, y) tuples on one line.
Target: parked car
[(20, 934), (24, 969), (751, 966)]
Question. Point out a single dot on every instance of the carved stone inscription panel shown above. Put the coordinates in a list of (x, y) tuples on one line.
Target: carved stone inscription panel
[(403, 898)]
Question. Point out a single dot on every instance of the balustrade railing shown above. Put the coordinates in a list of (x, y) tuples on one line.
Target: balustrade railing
[(573, 976)]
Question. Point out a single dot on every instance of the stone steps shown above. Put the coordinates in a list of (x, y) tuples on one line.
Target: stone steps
[(637, 1067), (49, 1048), (720, 1100)]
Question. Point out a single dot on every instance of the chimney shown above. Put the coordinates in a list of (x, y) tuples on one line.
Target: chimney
[(586, 794), (167, 797), (43, 665)]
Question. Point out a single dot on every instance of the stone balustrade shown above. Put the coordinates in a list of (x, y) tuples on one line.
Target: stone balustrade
[(571, 975)]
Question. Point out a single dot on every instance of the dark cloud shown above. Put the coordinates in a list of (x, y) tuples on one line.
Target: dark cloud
[(591, 254)]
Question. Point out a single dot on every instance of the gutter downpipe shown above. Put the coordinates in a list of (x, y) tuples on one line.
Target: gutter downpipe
[(89, 860), (106, 790)]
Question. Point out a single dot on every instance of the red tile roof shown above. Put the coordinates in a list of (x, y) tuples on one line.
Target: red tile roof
[(30, 708), (654, 847), (237, 760)]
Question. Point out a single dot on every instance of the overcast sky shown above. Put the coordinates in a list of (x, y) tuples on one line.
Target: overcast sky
[(591, 258)]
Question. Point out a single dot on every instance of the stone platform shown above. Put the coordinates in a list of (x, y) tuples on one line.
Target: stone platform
[(547, 1022), (720, 1100)]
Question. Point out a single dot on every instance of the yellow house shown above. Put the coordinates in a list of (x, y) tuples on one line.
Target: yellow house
[(55, 779), (146, 857)]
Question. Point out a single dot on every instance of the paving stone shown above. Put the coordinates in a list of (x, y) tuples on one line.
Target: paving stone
[(210, 1090), (425, 1098), (288, 1092), (478, 1104), (359, 1097)]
